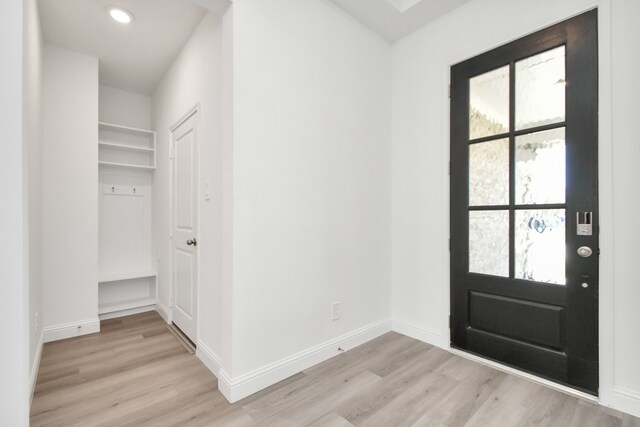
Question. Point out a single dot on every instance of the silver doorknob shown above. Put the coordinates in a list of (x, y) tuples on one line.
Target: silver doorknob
[(584, 251), (192, 242)]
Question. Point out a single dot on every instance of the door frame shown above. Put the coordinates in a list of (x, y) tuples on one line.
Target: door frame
[(608, 392), (193, 111), (575, 310)]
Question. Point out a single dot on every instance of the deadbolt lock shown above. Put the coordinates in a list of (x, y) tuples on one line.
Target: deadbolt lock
[(584, 251)]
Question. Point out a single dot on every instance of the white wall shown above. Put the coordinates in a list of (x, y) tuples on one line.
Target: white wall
[(70, 197), (311, 180), (420, 260), (33, 142), (195, 78), (14, 333), (124, 108), (622, 335), (226, 292)]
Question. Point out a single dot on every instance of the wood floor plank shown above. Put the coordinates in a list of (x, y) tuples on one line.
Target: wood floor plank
[(153, 404), (135, 373), (197, 410), (400, 358), (506, 405), (311, 397), (319, 402), (331, 419), (271, 389), (114, 385), (455, 409), (375, 398), (106, 368), (316, 379), (550, 408), (588, 414), (160, 388), (630, 421), (95, 357), (408, 407)]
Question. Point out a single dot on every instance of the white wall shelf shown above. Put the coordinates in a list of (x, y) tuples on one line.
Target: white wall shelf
[(124, 146), (121, 128), (126, 165), (127, 276)]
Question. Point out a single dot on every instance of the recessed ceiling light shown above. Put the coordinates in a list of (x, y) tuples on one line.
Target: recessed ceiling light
[(120, 15)]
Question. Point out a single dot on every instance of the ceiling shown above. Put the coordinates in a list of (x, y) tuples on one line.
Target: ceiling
[(394, 19), (132, 57), (135, 57)]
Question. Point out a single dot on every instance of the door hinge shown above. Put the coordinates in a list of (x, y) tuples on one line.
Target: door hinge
[(449, 244), (449, 90), (449, 321), (449, 167)]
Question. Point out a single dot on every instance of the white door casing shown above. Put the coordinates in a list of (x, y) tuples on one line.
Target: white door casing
[(184, 228)]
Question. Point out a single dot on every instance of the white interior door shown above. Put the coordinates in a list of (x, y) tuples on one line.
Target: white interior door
[(185, 226)]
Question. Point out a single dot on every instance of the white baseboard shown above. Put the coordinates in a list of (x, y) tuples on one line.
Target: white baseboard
[(626, 401), (127, 312), (238, 388), (70, 330), (163, 311), (209, 358), (33, 377), (226, 388), (417, 332)]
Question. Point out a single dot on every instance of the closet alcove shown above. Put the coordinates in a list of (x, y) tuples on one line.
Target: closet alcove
[(127, 268)]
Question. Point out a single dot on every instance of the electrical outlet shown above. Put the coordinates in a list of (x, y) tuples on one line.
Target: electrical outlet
[(336, 310)]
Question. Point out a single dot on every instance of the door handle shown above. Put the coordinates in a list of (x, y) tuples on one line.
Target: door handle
[(584, 251), (192, 242)]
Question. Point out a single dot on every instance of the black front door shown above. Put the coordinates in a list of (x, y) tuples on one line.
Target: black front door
[(524, 203)]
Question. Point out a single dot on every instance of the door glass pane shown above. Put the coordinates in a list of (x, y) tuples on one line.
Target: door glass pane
[(541, 167), (540, 89), (489, 173), (489, 242), (540, 245), (489, 103)]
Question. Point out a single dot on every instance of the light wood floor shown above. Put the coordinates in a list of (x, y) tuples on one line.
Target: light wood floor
[(135, 373)]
